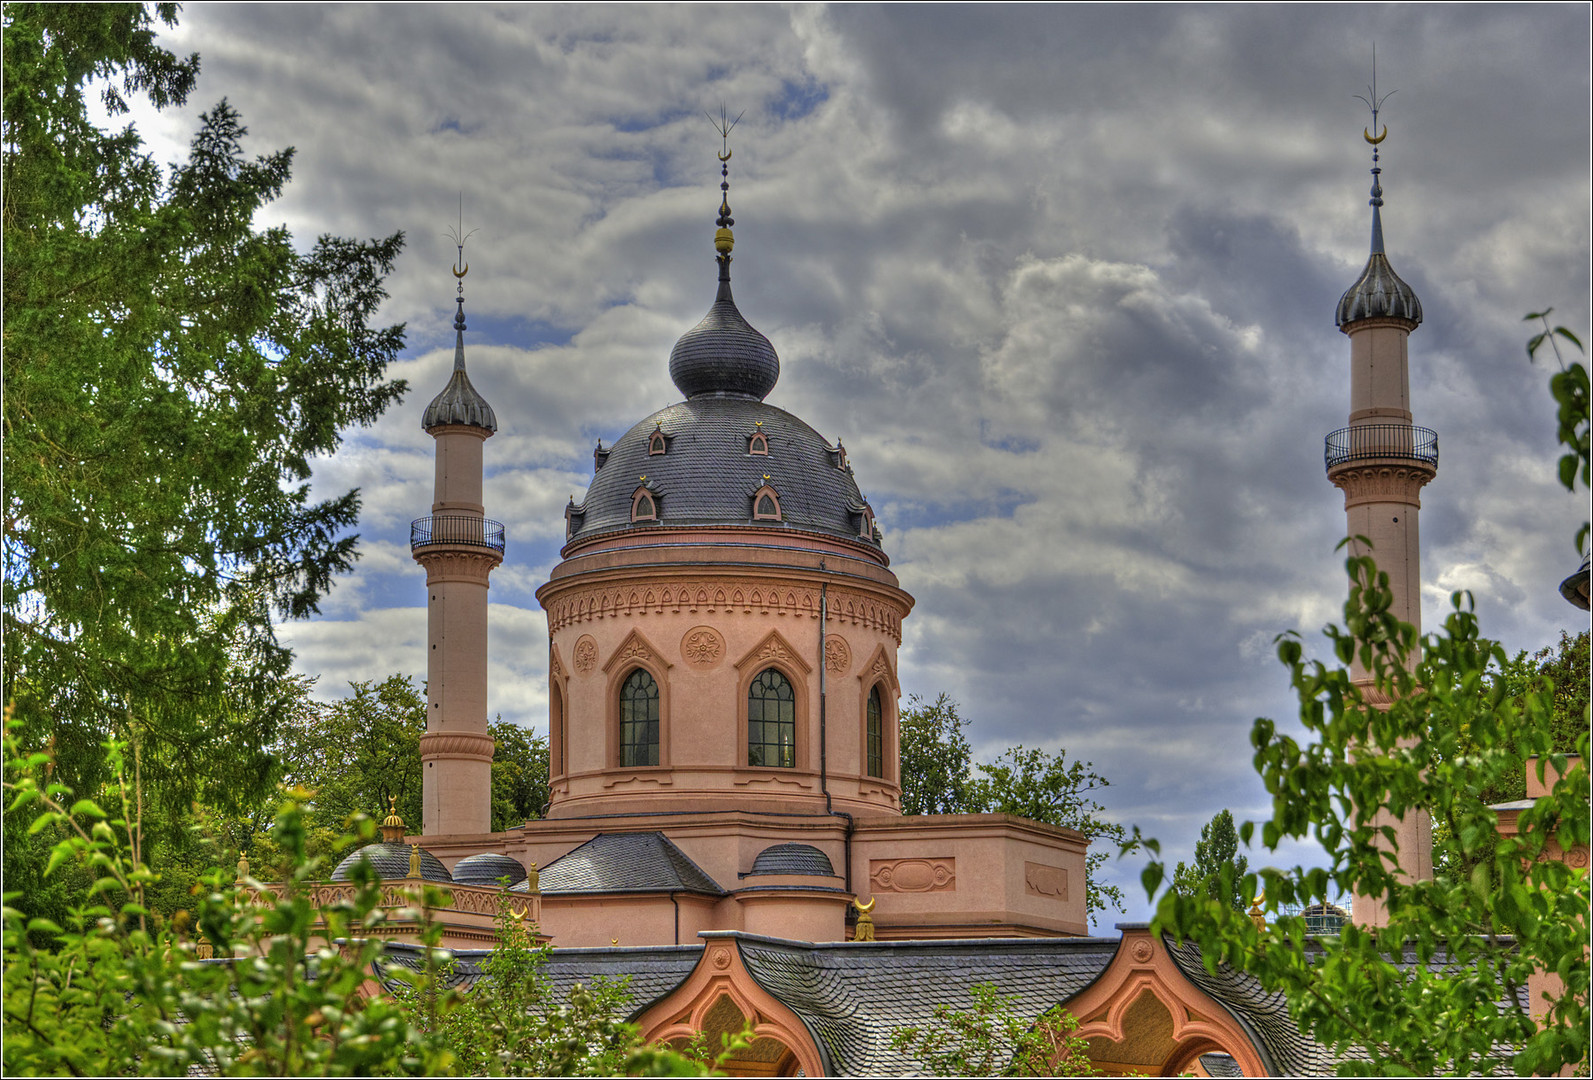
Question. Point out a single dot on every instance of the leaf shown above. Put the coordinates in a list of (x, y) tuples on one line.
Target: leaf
[(87, 808)]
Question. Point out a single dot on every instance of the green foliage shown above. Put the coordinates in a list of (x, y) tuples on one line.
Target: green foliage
[(991, 1039), (1219, 870), (519, 774), (356, 753), (112, 995), (939, 777), (1440, 988), (170, 372), (1570, 389), (936, 760)]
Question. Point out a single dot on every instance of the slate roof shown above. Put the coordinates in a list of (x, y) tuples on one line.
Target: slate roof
[(724, 354), (852, 996), (792, 859), (627, 862), (392, 861), (707, 477), (459, 403), (1378, 293), (487, 867), (652, 971)]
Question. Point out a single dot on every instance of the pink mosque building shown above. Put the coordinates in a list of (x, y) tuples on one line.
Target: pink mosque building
[(724, 828)]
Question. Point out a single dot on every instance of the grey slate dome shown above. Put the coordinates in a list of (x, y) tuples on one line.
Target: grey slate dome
[(487, 868), (391, 860), (723, 354), (708, 476), (792, 859)]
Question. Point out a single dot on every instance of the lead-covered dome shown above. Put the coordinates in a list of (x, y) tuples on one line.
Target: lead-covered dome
[(1379, 294), (391, 860)]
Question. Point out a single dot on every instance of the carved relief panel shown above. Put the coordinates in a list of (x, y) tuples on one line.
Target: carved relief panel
[(913, 875)]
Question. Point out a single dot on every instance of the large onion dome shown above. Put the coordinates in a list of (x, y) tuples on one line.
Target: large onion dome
[(723, 354)]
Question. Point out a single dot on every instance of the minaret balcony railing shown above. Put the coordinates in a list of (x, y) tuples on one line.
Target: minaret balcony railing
[(1367, 442), (464, 530)]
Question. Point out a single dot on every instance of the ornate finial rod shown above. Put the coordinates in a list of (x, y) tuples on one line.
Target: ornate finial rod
[(1375, 103), (724, 239), (461, 268)]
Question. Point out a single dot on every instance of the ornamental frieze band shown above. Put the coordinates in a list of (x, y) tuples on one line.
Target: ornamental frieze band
[(1381, 483), (857, 609)]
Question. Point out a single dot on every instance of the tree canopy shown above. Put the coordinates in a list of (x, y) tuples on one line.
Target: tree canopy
[(1219, 869), (170, 373), (940, 777)]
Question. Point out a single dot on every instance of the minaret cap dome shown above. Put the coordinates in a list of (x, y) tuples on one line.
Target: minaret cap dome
[(1379, 293), (459, 403), (723, 354)]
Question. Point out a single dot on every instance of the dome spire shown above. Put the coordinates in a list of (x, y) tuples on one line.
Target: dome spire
[(1379, 292), (723, 354), (459, 403)]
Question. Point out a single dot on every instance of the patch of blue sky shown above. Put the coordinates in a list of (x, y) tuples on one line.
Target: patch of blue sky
[(454, 124), (798, 99), (486, 329), (921, 514)]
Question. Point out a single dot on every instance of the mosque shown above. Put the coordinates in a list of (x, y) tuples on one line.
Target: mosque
[(724, 826)]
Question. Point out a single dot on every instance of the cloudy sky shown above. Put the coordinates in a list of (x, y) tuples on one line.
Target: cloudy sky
[(1063, 279)]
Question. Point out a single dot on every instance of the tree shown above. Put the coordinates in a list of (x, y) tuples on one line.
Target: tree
[(1219, 869), (936, 761), (170, 372), (1442, 987), (938, 777), (519, 774)]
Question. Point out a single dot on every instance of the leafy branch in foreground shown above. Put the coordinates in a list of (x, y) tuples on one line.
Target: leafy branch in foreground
[(992, 1039)]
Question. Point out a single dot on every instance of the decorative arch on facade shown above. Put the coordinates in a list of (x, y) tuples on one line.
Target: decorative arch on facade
[(635, 652), (719, 989), (1143, 1016), (879, 673), (758, 442), (558, 712), (775, 652)]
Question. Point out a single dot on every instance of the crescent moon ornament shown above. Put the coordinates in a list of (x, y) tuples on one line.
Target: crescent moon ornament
[(726, 155), (458, 273), (864, 909), (1367, 135)]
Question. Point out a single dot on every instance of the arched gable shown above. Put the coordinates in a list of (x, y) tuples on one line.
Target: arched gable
[(721, 975), (1143, 1015)]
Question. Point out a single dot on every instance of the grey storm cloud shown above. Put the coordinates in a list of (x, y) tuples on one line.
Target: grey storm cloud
[(1062, 278)]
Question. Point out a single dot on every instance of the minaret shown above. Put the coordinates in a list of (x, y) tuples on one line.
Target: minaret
[(1381, 462), (459, 548)]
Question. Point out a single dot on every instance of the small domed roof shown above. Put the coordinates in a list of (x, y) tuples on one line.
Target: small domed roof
[(391, 860), (459, 403), (1379, 294), (792, 859), (487, 868), (723, 354)]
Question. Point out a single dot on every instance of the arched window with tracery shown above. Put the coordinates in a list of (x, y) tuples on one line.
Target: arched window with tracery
[(765, 504), (638, 720), (771, 721), (876, 734), (644, 505)]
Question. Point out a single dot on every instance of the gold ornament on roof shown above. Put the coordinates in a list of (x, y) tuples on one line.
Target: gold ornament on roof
[(414, 860), (1257, 916), (392, 825), (533, 880), (865, 921), (243, 867)]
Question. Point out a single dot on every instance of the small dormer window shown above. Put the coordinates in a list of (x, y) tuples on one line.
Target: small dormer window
[(574, 518), (644, 505), (867, 531), (765, 504), (838, 455), (658, 442), (758, 444), (599, 456)]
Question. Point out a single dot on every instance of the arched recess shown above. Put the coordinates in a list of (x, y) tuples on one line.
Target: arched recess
[(1143, 1016), (719, 992), (558, 713), (774, 651), (635, 652), (881, 673)]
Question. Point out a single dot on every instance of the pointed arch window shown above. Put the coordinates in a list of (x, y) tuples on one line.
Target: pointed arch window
[(876, 734), (766, 504), (771, 721), (658, 442), (638, 720), (644, 505), (758, 442)]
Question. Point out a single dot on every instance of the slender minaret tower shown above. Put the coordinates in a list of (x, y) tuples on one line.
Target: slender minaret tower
[(459, 548), (1381, 462)]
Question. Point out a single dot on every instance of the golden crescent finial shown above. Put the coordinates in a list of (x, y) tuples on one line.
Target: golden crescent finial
[(864, 909), (726, 155), (1367, 135), (458, 273)]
